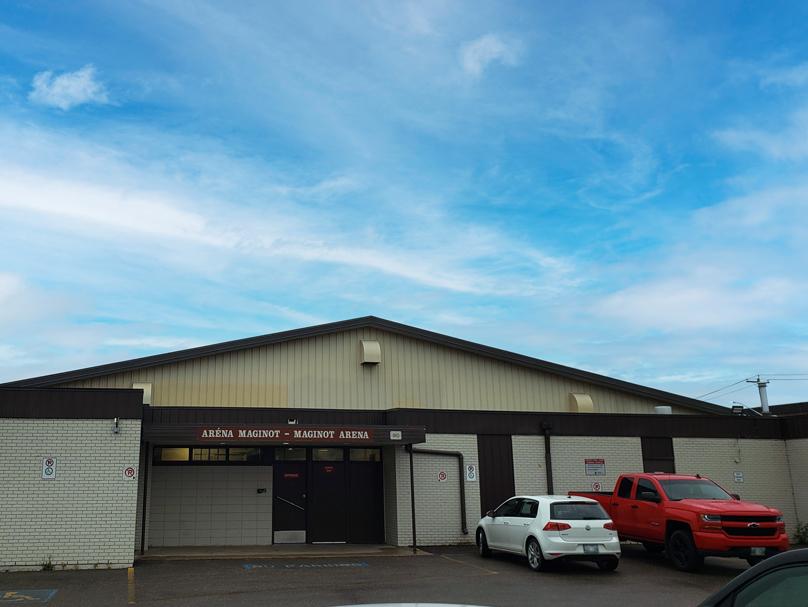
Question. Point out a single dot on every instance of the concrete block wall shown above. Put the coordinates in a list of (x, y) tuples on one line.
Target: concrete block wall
[(766, 474), (85, 517), (797, 454), (529, 472), (437, 503), (210, 506), (622, 454)]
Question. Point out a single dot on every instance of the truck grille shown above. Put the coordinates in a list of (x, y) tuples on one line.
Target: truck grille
[(751, 531), (749, 519)]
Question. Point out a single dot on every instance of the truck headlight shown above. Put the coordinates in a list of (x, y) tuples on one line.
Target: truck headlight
[(711, 518)]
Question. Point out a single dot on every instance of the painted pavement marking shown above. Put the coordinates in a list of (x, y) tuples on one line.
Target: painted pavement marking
[(42, 595), (467, 564)]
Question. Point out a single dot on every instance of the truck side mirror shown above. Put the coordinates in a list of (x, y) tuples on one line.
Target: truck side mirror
[(735, 496), (649, 496), (490, 513)]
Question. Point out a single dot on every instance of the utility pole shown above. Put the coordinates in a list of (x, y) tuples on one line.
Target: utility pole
[(764, 398)]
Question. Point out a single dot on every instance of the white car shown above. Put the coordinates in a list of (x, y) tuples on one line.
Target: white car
[(549, 528)]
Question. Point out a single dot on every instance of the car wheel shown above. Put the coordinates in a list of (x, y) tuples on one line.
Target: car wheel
[(609, 564), (534, 556), (653, 548), (482, 544), (682, 551)]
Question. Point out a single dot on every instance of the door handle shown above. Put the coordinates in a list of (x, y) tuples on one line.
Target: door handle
[(505, 523), (615, 504), (525, 524), (634, 506)]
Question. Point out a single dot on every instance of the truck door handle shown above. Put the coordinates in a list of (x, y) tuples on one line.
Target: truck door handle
[(634, 506), (615, 504)]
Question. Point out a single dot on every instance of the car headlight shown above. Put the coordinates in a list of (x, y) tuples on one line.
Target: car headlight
[(711, 518)]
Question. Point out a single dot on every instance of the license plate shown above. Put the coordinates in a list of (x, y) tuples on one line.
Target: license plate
[(592, 548), (758, 551)]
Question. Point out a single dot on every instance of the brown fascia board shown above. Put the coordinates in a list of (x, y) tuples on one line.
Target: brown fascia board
[(384, 325)]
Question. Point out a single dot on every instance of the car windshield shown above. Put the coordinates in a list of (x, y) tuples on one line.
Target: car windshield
[(577, 511), (691, 489)]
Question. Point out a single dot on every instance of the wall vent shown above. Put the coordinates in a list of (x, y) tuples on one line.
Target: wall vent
[(581, 403), (370, 352), (663, 410), (147, 391)]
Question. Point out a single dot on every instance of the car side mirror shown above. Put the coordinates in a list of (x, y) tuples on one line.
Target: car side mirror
[(649, 496), (490, 513), (735, 496)]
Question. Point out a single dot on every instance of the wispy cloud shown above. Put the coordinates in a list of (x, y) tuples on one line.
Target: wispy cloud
[(477, 55), (69, 89), (790, 76), (788, 143)]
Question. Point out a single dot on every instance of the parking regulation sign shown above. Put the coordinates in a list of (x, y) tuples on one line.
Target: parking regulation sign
[(49, 468), (442, 476), (130, 473)]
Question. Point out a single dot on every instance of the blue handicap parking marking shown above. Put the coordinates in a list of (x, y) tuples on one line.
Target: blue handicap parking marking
[(42, 595), (356, 564)]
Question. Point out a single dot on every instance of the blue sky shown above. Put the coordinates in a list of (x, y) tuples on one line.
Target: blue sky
[(620, 187)]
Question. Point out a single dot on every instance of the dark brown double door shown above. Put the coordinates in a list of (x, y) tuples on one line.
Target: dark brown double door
[(335, 496)]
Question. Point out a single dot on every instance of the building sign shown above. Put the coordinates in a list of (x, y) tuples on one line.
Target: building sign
[(395, 434), (595, 467), (288, 434), (49, 468), (471, 473), (130, 473), (738, 476)]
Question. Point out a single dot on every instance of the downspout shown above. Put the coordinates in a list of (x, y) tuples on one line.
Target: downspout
[(143, 513), (548, 456), (461, 480), (412, 501)]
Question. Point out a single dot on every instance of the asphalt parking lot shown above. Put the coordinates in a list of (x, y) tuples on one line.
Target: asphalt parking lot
[(449, 575)]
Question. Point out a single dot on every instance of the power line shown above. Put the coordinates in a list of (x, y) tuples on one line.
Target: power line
[(724, 388), (732, 392)]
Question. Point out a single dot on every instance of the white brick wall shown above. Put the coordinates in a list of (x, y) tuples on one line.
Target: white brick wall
[(210, 506), (569, 452), (797, 452), (437, 503), (763, 462), (390, 493), (529, 473), (85, 517)]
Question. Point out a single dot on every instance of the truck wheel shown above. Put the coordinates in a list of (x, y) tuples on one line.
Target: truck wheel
[(609, 564), (682, 551), (653, 548), (534, 556), (482, 544)]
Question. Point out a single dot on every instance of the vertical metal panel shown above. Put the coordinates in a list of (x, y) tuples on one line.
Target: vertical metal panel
[(324, 372), (495, 454)]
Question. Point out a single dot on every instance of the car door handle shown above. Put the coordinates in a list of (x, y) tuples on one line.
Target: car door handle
[(505, 523), (525, 524)]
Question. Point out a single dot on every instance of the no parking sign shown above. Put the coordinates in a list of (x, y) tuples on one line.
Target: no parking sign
[(130, 473), (49, 468)]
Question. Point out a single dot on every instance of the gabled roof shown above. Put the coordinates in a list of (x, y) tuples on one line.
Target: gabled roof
[(383, 325)]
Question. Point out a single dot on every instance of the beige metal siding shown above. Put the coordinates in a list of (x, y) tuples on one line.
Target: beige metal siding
[(324, 372)]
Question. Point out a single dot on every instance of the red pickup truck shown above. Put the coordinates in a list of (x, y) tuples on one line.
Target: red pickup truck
[(690, 517)]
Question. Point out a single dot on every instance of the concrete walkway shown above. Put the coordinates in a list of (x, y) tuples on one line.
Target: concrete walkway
[(277, 551)]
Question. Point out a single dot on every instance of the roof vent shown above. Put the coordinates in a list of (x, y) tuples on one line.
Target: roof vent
[(370, 352), (581, 403), (663, 410)]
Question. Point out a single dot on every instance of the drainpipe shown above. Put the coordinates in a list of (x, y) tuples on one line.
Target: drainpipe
[(461, 469), (548, 456), (143, 512), (412, 501)]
